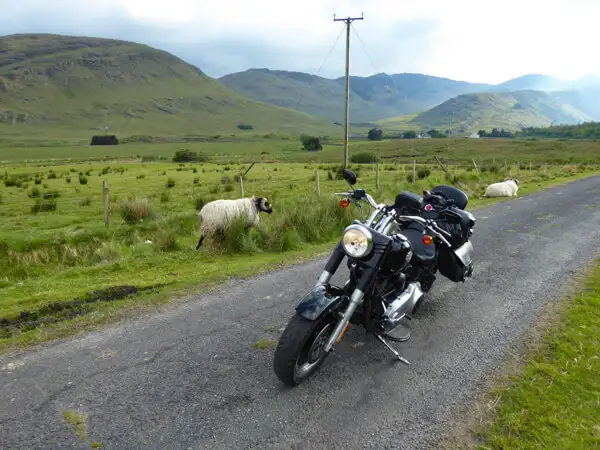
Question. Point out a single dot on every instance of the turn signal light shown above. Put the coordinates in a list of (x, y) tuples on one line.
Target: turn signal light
[(344, 203), (427, 240)]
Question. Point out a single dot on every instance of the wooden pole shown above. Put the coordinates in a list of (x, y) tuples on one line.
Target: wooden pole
[(476, 169), (317, 182), (242, 186), (441, 165), (347, 21), (377, 175), (248, 170), (106, 203)]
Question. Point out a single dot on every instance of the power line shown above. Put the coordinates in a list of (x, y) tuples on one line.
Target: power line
[(320, 67)]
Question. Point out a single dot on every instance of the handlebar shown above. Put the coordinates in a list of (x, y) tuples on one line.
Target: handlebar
[(427, 223), (372, 202)]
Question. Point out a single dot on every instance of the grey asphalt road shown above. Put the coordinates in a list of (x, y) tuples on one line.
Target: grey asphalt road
[(190, 378)]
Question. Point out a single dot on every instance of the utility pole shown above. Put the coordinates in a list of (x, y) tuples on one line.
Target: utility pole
[(347, 21)]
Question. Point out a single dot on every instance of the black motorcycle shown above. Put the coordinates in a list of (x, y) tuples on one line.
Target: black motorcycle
[(392, 260)]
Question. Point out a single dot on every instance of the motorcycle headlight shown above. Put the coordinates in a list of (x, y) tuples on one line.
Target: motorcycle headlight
[(357, 241)]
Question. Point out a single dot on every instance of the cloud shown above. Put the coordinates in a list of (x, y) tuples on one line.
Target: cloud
[(462, 39)]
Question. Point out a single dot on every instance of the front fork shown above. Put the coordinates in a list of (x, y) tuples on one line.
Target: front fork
[(356, 298)]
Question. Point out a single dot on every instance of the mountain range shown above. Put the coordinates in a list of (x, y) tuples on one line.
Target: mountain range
[(436, 102), (72, 86)]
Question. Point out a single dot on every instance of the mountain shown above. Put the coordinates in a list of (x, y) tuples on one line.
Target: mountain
[(538, 82), (383, 96), (371, 98), (509, 110), (69, 86), (313, 95)]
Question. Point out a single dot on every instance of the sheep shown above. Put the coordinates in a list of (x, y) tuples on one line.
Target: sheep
[(215, 215), (508, 188)]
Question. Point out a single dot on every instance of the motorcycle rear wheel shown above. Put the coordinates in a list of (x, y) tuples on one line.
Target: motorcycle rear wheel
[(300, 351)]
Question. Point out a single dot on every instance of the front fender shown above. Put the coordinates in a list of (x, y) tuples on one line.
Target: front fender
[(318, 299)]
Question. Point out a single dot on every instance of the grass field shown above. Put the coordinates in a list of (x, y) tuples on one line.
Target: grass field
[(554, 403), (58, 258), (288, 149)]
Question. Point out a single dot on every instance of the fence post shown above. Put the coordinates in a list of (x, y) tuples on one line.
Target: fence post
[(377, 175), (106, 203), (242, 185), (476, 169), (317, 182)]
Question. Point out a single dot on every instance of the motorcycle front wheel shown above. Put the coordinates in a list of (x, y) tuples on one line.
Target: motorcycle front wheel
[(301, 348)]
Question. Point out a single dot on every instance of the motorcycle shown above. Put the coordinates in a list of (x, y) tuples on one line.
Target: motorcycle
[(392, 259)]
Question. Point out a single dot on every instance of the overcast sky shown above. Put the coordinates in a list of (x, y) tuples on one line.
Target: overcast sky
[(473, 40)]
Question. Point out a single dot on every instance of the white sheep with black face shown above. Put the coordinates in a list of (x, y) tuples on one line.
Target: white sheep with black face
[(215, 215), (508, 188)]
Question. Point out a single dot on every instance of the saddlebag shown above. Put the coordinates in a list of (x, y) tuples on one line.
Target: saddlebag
[(456, 264), (458, 223)]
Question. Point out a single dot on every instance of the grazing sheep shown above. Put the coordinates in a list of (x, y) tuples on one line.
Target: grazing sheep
[(508, 188), (215, 215)]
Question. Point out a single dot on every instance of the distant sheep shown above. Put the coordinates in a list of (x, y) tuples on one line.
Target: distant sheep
[(508, 188), (215, 215)]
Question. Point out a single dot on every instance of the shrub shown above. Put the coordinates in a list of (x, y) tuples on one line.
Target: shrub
[(149, 158), (311, 143), (228, 188), (364, 158), (225, 179), (83, 179), (38, 181), (85, 201), (196, 180), (141, 176), (52, 175), (170, 183), (165, 197), (67, 179), (134, 209), (185, 155), (423, 172), (243, 126), (43, 205), (34, 193), (12, 182)]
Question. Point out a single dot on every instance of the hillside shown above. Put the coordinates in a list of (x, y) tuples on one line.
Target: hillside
[(511, 110), (70, 86), (371, 98)]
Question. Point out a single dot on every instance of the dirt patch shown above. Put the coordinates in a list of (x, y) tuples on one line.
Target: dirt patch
[(475, 416), (58, 311)]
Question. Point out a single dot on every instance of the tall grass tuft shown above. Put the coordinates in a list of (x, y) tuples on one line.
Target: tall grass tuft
[(135, 209)]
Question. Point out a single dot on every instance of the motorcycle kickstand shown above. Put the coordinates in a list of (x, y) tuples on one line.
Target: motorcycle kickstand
[(392, 349)]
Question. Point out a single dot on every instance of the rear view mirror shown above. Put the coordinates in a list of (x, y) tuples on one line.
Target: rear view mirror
[(349, 176)]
